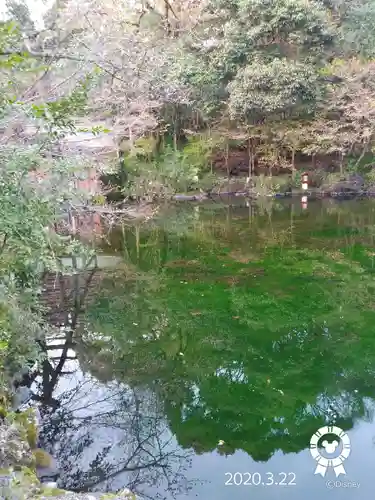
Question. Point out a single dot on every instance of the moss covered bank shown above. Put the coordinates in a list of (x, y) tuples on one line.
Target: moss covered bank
[(19, 459)]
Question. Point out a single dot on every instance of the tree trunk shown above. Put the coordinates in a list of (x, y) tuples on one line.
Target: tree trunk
[(226, 159), (293, 163), (166, 13), (250, 155), (341, 163)]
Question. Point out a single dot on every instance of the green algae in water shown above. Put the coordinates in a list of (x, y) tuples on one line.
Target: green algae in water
[(277, 315), (247, 324)]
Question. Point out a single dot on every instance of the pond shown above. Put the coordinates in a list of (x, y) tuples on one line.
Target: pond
[(205, 359)]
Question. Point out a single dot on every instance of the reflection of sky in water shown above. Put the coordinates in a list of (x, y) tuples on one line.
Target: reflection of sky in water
[(234, 374), (359, 468), (104, 413), (108, 417)]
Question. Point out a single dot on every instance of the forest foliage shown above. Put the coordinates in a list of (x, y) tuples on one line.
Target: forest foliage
[(34, 189), (287, 76)]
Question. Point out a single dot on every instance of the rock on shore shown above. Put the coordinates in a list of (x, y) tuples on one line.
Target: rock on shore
[(18, 479)]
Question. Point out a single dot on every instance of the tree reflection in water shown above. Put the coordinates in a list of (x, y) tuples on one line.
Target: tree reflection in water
[(104, 436), (251, 331)]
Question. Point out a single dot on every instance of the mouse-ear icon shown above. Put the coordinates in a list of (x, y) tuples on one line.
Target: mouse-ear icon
[(323, 463)]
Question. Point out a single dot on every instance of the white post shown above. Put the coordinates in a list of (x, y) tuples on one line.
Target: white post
[(305, 181), (305, 187), (72, 222)]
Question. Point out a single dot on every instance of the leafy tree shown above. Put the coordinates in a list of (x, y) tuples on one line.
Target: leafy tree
[(33, 193), (268, 89), (262, 53), (356, 29), (19, 11), (344, 122)]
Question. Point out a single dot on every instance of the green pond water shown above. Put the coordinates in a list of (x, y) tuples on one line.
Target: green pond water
[(222, 340)]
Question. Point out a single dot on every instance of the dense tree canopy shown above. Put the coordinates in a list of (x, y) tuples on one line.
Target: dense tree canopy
[(214, 65), (264, 54)]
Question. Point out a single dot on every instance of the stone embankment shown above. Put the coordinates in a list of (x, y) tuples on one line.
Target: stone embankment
[(18, 476)]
